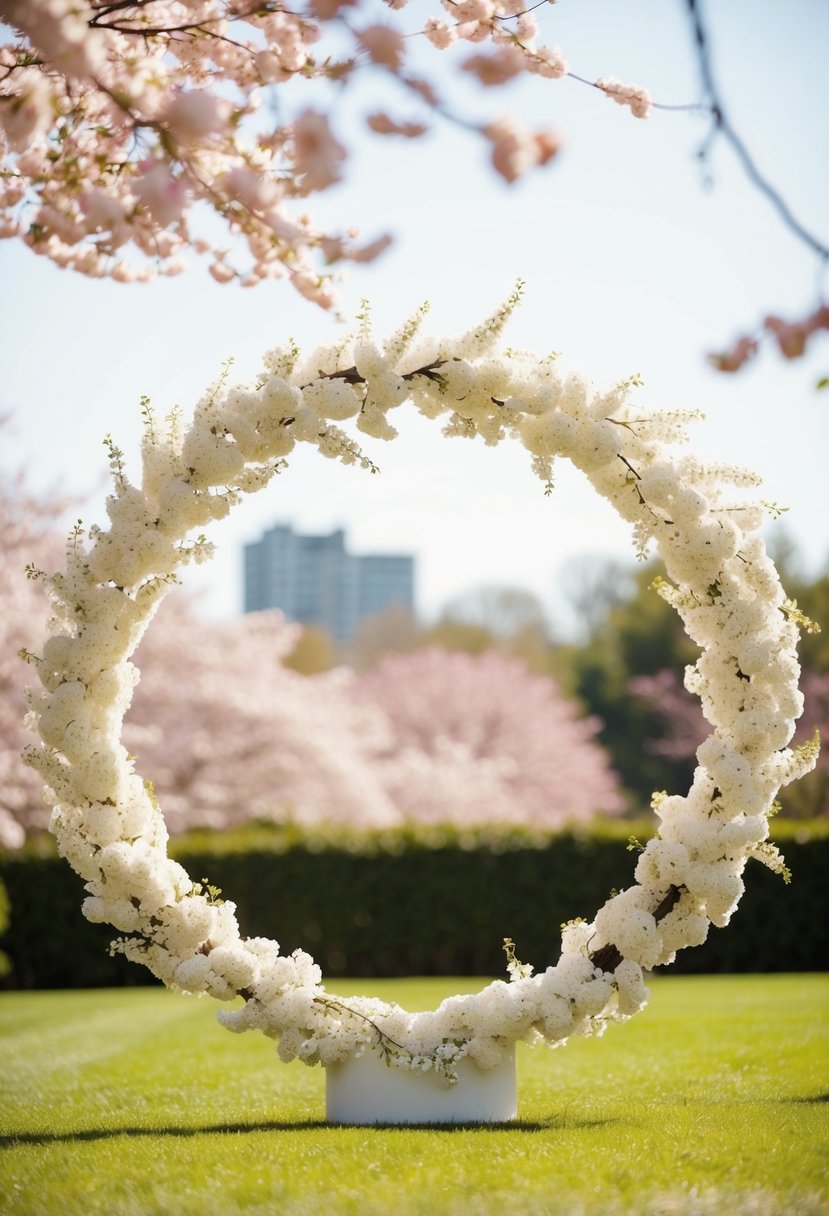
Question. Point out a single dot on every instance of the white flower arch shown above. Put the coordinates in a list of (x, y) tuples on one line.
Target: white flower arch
[(723, 585)]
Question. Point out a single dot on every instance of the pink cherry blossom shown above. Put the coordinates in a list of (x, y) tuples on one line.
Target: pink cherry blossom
[(469, 10), (384, 45), (164, 196), (195, 113), (548, 62), (317, 154), (123, 124), (732, 360), (439, 33), (791, 337), (516, 149), (382, 124), (30, 114), (480, 739), (634, 96), (497, 67)]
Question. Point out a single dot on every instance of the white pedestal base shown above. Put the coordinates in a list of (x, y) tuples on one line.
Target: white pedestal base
[(366, 1090)]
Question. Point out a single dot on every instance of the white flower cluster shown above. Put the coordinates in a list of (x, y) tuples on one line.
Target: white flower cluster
[(723, 585)]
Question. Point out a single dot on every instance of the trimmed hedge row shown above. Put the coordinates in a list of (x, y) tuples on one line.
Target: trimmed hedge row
[(416, 902)]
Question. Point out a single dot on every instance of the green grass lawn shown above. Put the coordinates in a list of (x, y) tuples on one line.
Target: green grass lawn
[(714, 1100)]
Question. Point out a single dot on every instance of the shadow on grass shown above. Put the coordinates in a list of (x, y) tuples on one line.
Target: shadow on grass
[(554, 1123)]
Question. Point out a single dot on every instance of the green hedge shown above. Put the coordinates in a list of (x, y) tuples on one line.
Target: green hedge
[(433, 902)]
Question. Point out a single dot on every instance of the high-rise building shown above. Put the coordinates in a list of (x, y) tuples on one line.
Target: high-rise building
[(316, 581)]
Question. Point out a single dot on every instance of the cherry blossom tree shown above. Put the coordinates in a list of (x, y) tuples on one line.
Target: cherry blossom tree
[(478, 738), (124, 123), (27, 525), (229, 734), (117, 119), (225, 731)]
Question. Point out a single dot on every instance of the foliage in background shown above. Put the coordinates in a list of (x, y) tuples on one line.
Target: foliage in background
[(629, 673), (640, 636), (509, 620), (626, 668), (5, 963), (426, 900)]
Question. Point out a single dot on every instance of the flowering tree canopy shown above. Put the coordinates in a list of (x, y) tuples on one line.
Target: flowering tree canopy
[(230, 734), (479, 738), (117, 119), (27, 523), (123, 123)]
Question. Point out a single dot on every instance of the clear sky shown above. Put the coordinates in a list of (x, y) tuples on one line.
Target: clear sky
[(630, 265)]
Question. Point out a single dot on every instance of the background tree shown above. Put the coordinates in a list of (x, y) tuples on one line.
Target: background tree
[(478, 738), (229, 734), (312, 652), (509, 619), (592, 586), (392, 631), (630, 673), (504, 612), (27, 524), (640, 637)]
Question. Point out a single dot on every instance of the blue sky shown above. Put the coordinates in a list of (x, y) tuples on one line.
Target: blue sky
[(630, 265)]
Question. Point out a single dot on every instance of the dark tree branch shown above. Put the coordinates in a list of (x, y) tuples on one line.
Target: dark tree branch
[(608, 957), (722, 126)]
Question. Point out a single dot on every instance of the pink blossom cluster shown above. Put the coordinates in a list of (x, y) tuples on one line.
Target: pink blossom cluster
[(27, 523), (481, 739), (685, 726), (634, 96), (230, 734), (123, 126), (115, 123), (515, 148), (790, 337)]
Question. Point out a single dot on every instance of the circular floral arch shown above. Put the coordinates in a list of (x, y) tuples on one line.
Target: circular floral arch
[(108, 823)]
